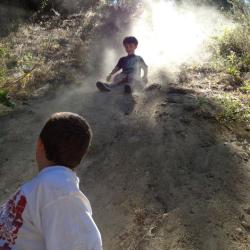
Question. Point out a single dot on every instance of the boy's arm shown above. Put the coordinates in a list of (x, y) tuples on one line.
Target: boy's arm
[(68, 224), (145, 71), (116, 69)]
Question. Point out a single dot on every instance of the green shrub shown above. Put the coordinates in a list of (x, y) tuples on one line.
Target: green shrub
[(232, 110), (232, 48), (246, 88), (2, 74), (4, 99)]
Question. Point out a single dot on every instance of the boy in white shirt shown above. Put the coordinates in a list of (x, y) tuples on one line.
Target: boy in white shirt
[(50, 212)]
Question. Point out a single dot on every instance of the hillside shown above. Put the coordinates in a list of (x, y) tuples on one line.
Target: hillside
[(169, 165)]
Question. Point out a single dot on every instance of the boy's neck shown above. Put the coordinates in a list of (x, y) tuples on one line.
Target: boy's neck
[(51, 164), (46, 164), (130, 54)]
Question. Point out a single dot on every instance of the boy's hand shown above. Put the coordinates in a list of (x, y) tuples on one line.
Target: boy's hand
[(145, 79), (109, 77)]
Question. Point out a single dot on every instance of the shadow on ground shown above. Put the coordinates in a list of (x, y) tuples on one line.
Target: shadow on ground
[(159, 175)]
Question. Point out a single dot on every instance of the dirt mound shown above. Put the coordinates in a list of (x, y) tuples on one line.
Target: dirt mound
[(158, 175), (166, 170)]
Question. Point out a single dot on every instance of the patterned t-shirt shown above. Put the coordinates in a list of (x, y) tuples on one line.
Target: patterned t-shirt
[(11, 219), (49, 213)]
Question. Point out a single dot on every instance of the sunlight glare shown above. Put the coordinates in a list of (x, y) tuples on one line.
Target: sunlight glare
[(169, 35)]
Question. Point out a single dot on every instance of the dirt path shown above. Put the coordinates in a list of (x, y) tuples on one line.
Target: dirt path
[(158, 175)]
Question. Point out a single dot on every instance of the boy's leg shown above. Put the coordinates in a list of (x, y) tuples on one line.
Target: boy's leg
[(118, 80), (128, 88), (102, 87)]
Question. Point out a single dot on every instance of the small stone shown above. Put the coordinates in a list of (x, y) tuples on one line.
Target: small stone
[(190, 107), (153, 87), (191, 212), (6, 191), (247, 76), (165, 215), (4, 109), (210, 176), (41, 91), (185, 120), (245, 225), (242, 217), (163, 104), (247, 210), (239, 230)]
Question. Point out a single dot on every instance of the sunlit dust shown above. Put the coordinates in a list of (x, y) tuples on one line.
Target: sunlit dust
[(170, 35)]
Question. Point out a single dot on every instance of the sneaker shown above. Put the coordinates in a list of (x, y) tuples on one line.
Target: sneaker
[(127, 89), (103, 87)]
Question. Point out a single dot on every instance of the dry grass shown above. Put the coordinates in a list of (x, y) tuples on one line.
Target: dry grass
[(41, 53)]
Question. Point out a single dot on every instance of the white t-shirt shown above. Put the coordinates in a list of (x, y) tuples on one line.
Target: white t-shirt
[(49, 212)]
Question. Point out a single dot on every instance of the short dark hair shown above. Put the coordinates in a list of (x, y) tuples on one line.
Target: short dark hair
[(66, 137), (130, 39)]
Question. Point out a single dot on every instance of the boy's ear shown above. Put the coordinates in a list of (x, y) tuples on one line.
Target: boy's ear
[(40, 154), (40, 145)]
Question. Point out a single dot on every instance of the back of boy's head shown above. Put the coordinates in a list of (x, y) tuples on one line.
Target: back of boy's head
[(129, 40), (66, 137)]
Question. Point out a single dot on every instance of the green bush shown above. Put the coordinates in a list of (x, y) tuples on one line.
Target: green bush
[(4, 99), (232, 48), (232, 110), (246, 88)]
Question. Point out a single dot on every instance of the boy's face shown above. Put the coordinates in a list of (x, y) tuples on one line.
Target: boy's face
[(130, 48)]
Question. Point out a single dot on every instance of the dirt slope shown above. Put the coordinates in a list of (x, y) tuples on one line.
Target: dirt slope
[(159, 174)]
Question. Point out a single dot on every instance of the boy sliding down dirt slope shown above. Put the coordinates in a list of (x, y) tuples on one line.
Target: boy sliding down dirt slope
[(131, 66), (50, 212)]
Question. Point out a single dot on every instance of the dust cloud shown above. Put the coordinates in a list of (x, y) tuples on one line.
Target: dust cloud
[(172, 34)]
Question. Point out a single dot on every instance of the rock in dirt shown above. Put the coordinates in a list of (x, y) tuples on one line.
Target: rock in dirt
[(175, 99), (247, 76), (239, 230), (6, 191), (185, 120), (154, 86), (190, 107), (4, 109), (41, 91), (180, 91), (246, 225), (247, 210)]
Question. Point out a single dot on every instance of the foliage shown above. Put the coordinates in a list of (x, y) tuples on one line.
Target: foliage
[(232, 48), (225, 109), (4, 99), (2, 74), (3, 53), (246, 88), (232, 110)]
